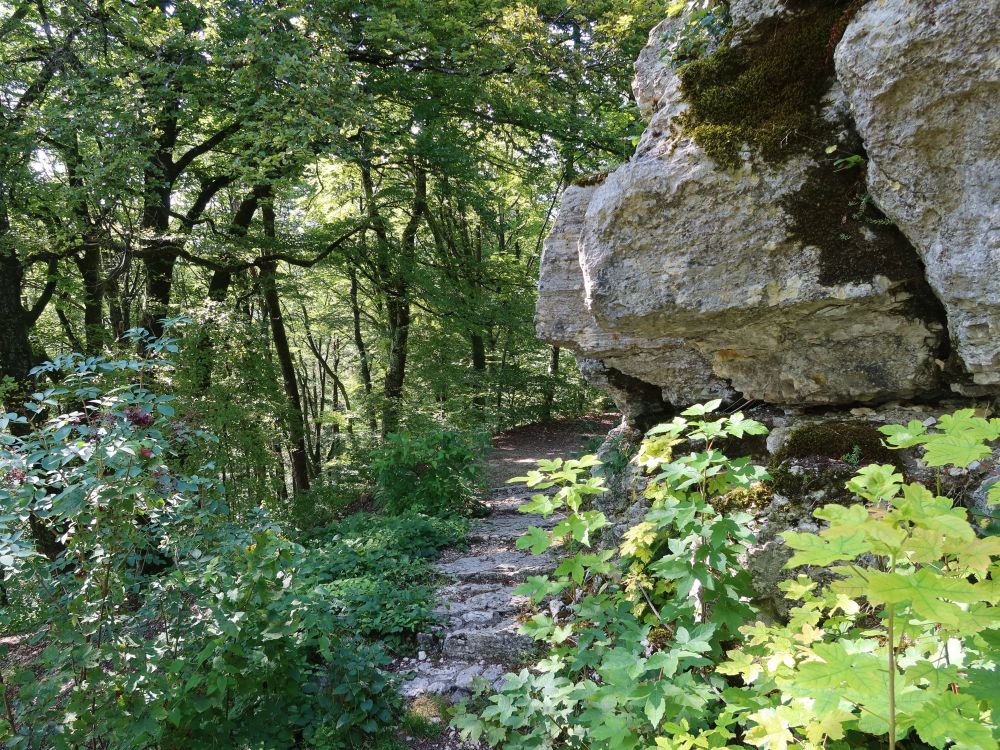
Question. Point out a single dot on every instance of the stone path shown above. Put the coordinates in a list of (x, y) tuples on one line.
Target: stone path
[(478, 637)]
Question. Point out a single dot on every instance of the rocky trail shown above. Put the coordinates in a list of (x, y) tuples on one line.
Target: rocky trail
[(477, 637), (478, 633)]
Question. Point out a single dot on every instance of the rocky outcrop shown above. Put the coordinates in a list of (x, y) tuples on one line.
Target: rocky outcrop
[(923, 81), (722, 261)]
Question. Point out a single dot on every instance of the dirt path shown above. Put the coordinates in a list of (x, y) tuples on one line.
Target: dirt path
[(518, 450), (477, 639)]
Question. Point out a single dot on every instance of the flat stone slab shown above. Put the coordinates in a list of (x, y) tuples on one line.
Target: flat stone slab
[(500, 643), (452, 679), (502, 566), (508, 527), (463, 599)]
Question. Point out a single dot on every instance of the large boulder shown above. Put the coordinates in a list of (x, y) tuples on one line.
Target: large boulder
[(766, 271), (923, 81)]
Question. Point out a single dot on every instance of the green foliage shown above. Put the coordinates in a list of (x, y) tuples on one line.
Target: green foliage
[(438, 472), (161, 621), (957, 439), (898, 639), (905, 641), (629, 652), (375, 572), (344, 488), (853, 456), (706, 24), (618, 454)]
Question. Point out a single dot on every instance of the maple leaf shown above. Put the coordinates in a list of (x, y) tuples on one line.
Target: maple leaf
[(814, 550)]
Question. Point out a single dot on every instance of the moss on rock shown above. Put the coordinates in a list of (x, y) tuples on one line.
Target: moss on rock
[(768, 94), (832, 212), (860, 442), (752, 499), (590, 180), (823, 456)]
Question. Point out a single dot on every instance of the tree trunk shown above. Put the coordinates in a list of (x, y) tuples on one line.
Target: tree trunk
[(88, 261), (478, 369), (359, 344), (296, 422), (16, 359), (159, 282), (398, 312)]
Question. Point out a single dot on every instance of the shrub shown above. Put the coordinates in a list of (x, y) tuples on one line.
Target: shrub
[(631, 650), (161, 622), (906, 640), (376, 574), (903, 644), (439, 472)]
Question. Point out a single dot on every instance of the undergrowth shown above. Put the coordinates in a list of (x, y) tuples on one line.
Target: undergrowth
[(655, 645), (160, 619)]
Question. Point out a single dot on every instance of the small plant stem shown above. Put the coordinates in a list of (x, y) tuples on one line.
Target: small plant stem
[(891, 625), (8, 709)]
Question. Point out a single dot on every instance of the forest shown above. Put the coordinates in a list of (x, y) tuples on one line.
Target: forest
[(268, 281)]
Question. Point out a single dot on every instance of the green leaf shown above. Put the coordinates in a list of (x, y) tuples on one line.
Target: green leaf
[(984, 684), (993, 494), (953, 718), (927, 591), (542, 505), (539, 587), (772, 728), (839, 669), (654, 710), (904, 437), (876, 482), (814, 550), (535, 538), (699, 410), (954, 450)]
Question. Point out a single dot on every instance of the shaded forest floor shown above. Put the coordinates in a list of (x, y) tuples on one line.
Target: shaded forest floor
[(517, 451)]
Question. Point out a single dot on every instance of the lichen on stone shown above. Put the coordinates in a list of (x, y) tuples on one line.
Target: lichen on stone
[(767, 95)]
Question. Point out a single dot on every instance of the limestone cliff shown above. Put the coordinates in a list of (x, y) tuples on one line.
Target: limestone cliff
[(810, 217)]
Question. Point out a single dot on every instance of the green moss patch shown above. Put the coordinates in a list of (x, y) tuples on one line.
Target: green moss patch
[(857, 443), (767, 95), (752, 499), (832, 212)]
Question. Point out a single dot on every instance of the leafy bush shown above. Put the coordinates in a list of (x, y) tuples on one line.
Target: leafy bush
[(906, 640), (344, 487), (376, 572), (631, 647), (161, 622), (439, 472), (903, 643)]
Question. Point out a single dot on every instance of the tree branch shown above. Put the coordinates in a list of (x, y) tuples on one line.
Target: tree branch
[(203, 148), (47, 292)]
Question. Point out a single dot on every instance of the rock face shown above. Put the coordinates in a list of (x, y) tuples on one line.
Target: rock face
[(923, 82), (775, 278)]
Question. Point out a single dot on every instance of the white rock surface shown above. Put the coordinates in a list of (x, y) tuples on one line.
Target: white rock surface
[(923, 80), (705, 282)]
